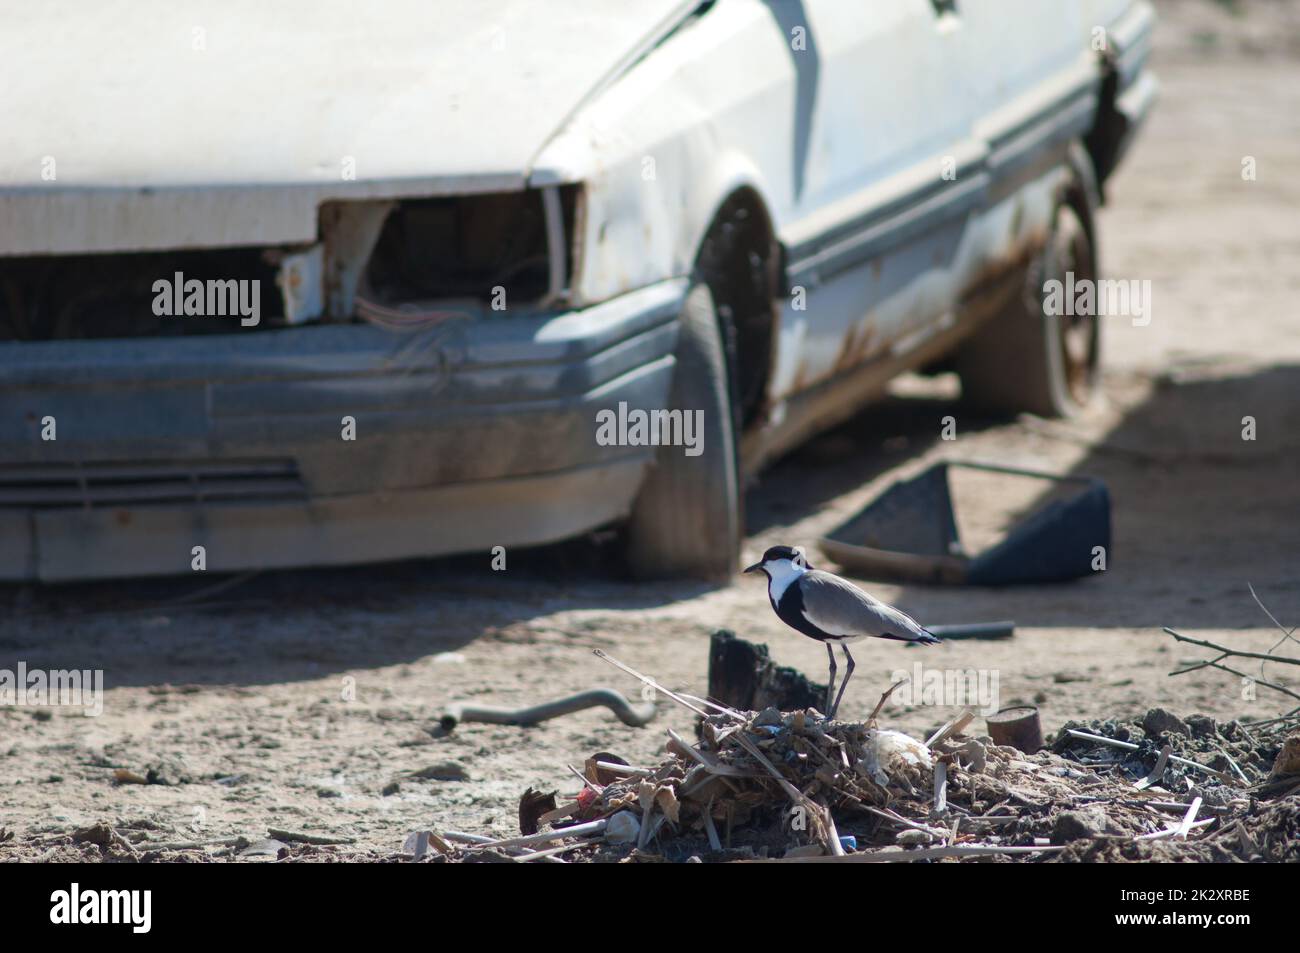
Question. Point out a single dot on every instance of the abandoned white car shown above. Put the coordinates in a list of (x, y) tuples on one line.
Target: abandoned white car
[(321, 283)]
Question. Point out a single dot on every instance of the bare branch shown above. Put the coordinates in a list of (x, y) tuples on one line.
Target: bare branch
[(1232, 671), (1234, 652), (1287, 634)]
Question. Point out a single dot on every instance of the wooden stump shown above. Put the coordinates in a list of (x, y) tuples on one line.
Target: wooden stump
[(1018, 727), (742, 676)]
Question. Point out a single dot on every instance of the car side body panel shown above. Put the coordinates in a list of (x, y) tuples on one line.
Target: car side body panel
[(907, 209)]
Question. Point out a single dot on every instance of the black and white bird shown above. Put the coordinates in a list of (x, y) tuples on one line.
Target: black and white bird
[(832, 610)]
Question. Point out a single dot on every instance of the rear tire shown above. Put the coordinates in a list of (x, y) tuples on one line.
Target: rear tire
[(686, 519), (1025, 360)]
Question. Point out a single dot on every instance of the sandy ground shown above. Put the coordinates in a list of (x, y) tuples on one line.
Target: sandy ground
[(295, 700)]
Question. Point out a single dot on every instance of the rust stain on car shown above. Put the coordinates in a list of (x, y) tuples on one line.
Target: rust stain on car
[(856, 346)]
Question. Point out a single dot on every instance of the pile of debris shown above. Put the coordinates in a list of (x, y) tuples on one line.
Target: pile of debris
[(1204, 756), (794, 786), (1244, 777)]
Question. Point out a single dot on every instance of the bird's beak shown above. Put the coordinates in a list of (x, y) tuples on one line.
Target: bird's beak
[(754, 568)]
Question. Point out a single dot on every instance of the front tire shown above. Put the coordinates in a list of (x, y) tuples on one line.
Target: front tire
[(686, 518)]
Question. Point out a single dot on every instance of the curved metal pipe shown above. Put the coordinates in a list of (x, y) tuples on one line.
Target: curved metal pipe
[(636, 715)]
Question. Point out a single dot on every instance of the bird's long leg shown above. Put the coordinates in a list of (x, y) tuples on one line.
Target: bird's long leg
[(830, 686), (844, 684)]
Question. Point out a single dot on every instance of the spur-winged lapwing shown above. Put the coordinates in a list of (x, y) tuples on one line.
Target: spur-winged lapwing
[(832, 610)]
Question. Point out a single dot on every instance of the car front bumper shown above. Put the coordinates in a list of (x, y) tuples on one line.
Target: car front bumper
[(476, 432)]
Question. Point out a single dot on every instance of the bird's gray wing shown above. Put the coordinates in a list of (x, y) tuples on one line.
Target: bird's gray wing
[(838, 607)]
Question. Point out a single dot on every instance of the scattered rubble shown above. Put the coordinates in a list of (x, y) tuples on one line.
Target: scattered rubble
[(1203, 755), (769, 785), (773, 785)]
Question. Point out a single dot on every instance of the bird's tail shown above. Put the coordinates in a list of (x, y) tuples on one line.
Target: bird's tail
[(928, 638)]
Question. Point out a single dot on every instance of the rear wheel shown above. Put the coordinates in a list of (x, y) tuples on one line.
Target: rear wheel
[(686, 519), (1027, 359)]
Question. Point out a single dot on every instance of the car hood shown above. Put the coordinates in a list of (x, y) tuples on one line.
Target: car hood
[(399, 97)]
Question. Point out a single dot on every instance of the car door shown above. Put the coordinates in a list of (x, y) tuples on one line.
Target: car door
[(881, 191), (1032, 78)]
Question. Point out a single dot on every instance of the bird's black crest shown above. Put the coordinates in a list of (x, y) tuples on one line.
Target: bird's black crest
[(788, 552)]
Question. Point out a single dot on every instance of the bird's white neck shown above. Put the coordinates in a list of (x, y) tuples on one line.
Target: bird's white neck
[(780, 573)]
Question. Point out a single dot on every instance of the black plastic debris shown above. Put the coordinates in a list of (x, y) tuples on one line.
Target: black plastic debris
[(910, 532), (743, 676)]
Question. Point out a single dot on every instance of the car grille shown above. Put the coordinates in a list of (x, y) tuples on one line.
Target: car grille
[(87, 485), (66, 297)]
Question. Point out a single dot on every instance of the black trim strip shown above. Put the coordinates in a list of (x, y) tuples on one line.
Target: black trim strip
[(870, 234), (1034, 148), (1015, 155)]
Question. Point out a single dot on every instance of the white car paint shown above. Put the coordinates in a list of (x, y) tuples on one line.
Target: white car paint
[(228, 122), (898, 92)]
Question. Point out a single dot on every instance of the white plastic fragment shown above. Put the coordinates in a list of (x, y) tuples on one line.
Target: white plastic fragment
[(623, 828)]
